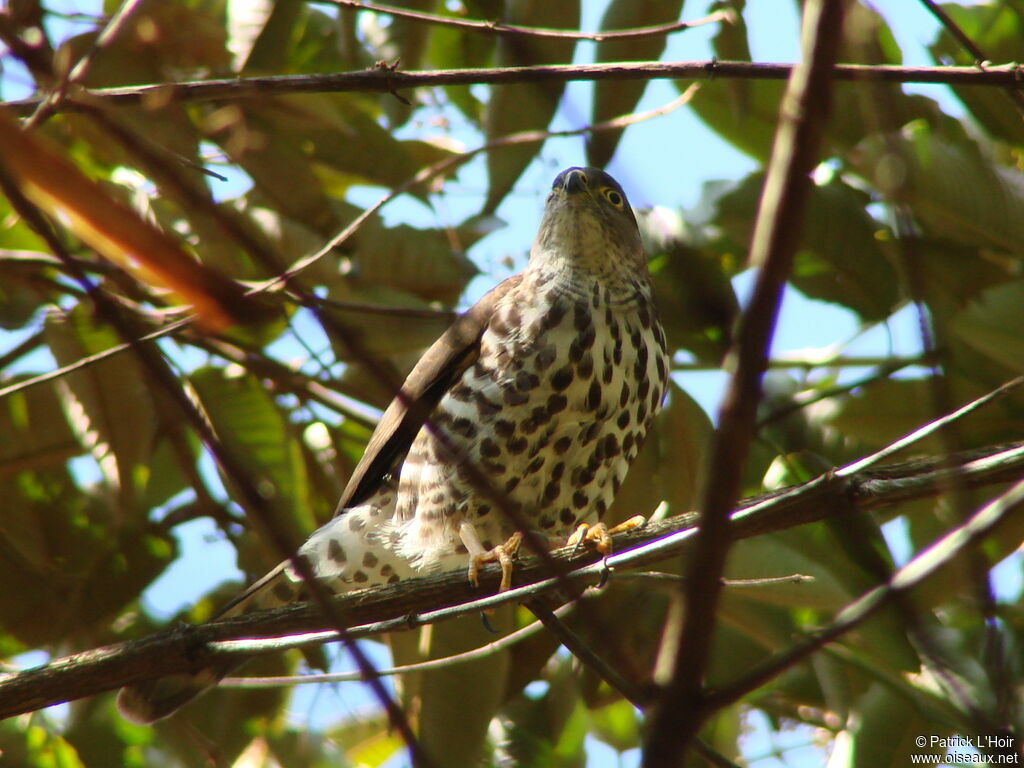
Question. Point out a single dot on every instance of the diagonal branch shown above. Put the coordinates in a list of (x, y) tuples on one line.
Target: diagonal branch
[(804, 110)]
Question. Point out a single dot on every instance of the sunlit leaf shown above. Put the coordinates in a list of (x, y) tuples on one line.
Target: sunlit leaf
[(525, 106), (614, 98), (58, 187), (109, 404), (840, 257), (255, 432)]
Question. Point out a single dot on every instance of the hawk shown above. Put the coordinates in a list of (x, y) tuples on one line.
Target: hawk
[(547, 387)]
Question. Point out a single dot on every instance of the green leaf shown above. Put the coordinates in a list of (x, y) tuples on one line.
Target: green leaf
[(259, 438), (692, 289), (881, 731), (526, 106), (997, 29), (36, 433), (614, 98), (616, 725), (743, 112), (70, 565), (886, 410), (546, 731), (993, 323), (840, 259), (109, 404), (452, 48), (261, 34), (420, 262), (367, 739), (455, 705), (953, 190)]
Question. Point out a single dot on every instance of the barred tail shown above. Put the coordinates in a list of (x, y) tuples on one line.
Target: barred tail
[(341, 553), (147, 701)]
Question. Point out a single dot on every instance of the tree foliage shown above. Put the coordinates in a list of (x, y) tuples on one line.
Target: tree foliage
[(912, 207)]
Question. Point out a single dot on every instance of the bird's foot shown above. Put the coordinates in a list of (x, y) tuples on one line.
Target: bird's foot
[(601, 535), (479, 556)]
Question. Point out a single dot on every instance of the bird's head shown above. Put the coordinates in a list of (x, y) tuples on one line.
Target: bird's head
[(589, 223)]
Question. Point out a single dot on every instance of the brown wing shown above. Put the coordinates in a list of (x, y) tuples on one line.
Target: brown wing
[(435, 373)]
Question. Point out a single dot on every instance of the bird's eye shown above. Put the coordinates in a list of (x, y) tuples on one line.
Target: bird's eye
[(613, 197)]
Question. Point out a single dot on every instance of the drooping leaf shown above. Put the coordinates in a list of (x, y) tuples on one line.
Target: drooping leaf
[(108, 404), (48, 179), (261, 34), (952, 189), (840, 258), (695, 299), (36, 432), (883, 728), (743, 112), (455, 49), (613, 98), (525, 106), (262, 443), (70, 565), (994, 324)]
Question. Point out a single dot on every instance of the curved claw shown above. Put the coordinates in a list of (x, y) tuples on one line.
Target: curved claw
[(601, 535), (502, 554)]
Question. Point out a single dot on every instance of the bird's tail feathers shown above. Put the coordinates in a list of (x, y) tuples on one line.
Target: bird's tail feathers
[(147, 701)]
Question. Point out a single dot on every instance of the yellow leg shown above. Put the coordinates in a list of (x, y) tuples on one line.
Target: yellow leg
[(500, 554)]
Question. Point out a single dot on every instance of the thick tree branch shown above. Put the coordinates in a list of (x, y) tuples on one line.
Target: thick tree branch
[(805, 105), (386, 80), (422, 601)]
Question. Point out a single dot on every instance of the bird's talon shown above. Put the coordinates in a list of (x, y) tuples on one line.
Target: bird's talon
[(502, 554), (601, 535)]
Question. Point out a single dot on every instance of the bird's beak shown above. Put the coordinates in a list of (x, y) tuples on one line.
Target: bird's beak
[(575, 181)]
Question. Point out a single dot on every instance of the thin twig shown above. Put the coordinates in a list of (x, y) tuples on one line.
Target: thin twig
[(578, 648), (980, 59), (21, 349), (317, 638), (675, 578), (501, 28), (450, 163), (254, 500), (107, 35), (85, 362), (930, 428)]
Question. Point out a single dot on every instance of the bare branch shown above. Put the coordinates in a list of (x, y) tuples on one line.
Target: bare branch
[(980, 59), (956, 542), (417, 602), (388, 80), (805, 105)]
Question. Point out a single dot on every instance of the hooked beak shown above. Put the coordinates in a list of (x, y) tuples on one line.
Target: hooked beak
[(575, 181)]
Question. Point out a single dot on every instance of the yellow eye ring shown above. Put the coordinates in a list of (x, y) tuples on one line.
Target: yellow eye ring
[(612, 197)]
